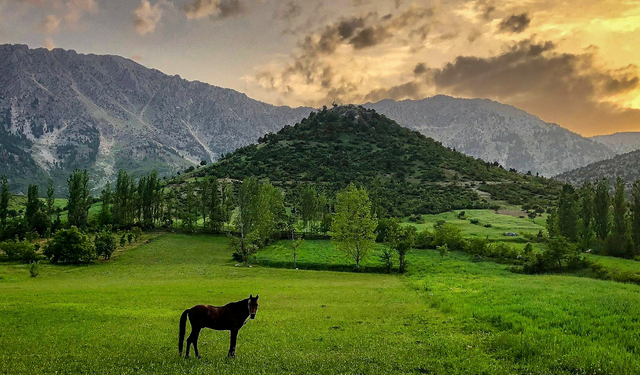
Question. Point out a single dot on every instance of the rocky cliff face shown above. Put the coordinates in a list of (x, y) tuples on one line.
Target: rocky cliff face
[(61, 110), (496, 132)]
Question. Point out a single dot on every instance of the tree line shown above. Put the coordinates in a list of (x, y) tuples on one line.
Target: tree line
[(597, 218)]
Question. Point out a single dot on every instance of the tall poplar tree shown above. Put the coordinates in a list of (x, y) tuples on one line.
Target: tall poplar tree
[(635, 221), (78, 198), (4, 200), (568, 213), (586, 213), (601, 209)]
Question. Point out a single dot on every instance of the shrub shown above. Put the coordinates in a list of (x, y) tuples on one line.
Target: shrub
[(424, 240), (123, 240), (387, 258), (137, 233), (478, 246), (105, 244), (450, 235), (474, 221), (34, 270), (462, 215), (129, 237), (70, 246), (488, 225), (21, 250)]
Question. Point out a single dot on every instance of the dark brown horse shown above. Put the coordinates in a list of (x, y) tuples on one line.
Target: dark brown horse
[(230, 317)]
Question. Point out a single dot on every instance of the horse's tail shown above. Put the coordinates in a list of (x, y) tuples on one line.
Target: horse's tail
[(183, 327)]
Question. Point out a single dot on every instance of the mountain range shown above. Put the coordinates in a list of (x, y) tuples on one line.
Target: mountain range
[(625, 166), (61, 110)]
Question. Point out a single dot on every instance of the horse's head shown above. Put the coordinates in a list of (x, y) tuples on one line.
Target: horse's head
[(253, 306)]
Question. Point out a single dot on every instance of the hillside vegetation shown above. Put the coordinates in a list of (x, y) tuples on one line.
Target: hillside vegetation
[(403, 170)]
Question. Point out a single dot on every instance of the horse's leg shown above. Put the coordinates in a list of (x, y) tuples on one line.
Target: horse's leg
[(195, 330), (232, 344), (195, 342)]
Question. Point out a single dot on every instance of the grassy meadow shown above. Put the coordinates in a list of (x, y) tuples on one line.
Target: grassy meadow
[(445, 316)]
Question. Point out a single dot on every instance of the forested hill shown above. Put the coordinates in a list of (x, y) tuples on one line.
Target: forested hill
[(404, 171), (626, 166)]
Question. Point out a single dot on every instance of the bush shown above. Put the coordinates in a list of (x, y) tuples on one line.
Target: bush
[(34, 270), (22, 251), (424, 240), (474, 221), (478, 246), (488, 225), (70, 246), (105, 244), (450, 235), (462, 215), (137, 233)]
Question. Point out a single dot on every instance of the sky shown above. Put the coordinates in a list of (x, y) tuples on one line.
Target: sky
[(574, 63)]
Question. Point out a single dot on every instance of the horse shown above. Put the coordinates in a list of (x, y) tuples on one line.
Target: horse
[(230, 317)]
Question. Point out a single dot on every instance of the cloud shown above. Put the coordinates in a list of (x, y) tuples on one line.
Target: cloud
[(287, 11), (575, 90), (48, 43), (409, 90), (146, 17), (514, 24), (420, 69), (336, 62), (76, 9), (50, 24), (214, 9)]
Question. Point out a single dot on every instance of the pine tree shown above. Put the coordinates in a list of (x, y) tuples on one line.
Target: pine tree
[(205, 197), (601, 209)]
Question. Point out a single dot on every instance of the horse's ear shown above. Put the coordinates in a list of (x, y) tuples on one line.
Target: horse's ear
[(256, 296), (251, 296)]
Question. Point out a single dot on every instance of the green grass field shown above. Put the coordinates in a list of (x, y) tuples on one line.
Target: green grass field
[(445, 316)]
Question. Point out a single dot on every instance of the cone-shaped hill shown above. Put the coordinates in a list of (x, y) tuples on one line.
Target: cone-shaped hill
[(404, 171)]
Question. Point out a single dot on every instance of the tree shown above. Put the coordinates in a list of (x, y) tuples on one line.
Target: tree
[(568, 213), (635, 222), (33, 205), (308, 205), (601, 209), (353, 227), (620, 210), (448, 234), (226, 202), (4, 200), (560, 251), (214, 209), (205, 197), (105, 217), (245, 220), (105, 244), (78, 198), (586, 213), (295, 245), (70, 246), (51, 201), (401, 239)]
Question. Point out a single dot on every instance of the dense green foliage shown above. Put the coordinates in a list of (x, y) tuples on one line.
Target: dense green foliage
[(353, 227), (70, 246), (403, 171)]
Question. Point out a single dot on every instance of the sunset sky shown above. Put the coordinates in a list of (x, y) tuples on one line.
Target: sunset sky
[(570, 62)]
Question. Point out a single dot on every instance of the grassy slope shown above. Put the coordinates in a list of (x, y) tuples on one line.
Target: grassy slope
[(446, 316)]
